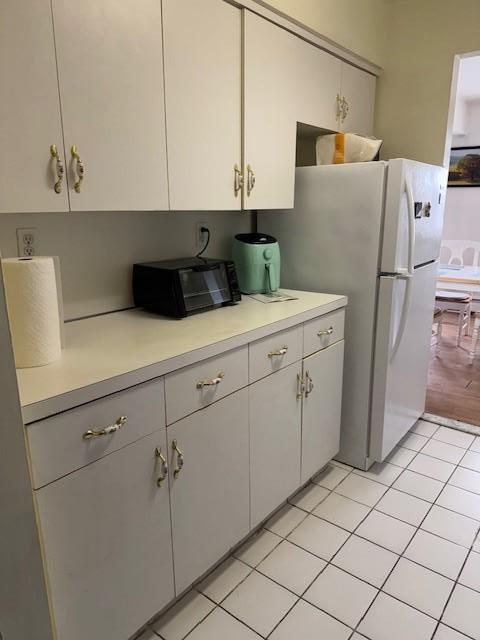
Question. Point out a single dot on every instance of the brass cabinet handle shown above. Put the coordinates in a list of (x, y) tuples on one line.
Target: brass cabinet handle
[(163, 466), (79, 168), (251, 179), (325, 332), (180, 459), (339, 107), (278, 352), (59, 168), (238, 180), (300, 386), (106, 431), (211, 382), (308, 384), (345, 109)]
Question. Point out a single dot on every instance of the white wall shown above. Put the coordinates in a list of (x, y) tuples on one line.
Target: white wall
[(413, 92), (462, 207), (97, 250)]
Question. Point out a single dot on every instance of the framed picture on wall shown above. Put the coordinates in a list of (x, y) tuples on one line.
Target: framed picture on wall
[(464, 170)]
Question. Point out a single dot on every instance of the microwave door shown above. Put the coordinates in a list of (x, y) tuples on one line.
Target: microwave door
[(205, 288)]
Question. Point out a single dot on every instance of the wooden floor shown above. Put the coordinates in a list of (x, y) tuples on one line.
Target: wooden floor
[(454, 385)]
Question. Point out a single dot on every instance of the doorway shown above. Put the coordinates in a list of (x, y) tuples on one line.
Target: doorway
[(453, 390)]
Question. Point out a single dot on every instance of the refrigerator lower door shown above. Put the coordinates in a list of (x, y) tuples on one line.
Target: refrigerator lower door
[(402, 352)]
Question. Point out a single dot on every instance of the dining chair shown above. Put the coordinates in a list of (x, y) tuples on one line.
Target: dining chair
[(475, 338), (460, 252), (459, 303)]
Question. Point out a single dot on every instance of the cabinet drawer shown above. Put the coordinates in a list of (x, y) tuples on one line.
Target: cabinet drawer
[(200, 384), (274, 352), (322, 332), (58, 445)]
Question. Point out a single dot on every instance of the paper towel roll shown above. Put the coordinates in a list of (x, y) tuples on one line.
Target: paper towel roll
[(33, 310)]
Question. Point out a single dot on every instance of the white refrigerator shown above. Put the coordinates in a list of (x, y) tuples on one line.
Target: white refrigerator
[(371, 231)]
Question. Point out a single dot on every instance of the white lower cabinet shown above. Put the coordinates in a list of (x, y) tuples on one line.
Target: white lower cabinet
[(322, 375), (209, 485), (275, 436), (107, 543)]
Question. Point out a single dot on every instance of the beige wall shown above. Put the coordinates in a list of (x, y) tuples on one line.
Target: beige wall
[(356, 25), (413, 94)]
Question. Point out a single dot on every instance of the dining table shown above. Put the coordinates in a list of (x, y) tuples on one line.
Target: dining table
[(464, 278)]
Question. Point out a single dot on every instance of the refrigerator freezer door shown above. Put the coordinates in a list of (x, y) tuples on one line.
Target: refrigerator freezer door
[(402, 352), (330, 242), (415, 196)]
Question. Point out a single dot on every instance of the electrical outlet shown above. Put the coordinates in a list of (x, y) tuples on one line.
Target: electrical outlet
[(200, 236), (26, 242)]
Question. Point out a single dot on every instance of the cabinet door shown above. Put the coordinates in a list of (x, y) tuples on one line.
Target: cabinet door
[(269, 115), (29, 109), (321, 408), (358, 89), (107, 541), (110, 68), (318, 80), (275, 437), (202, 48), (210, 493)]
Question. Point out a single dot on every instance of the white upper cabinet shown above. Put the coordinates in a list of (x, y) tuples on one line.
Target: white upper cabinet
[(358, 91), (29, 110), (318, 76), (269, 114), (202, 48), (111, 87)]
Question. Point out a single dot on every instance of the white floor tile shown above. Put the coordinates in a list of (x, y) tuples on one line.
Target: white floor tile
[(471, 460), (292, 567), (319, 537), (403, 506), (309, 497), (432, 467), (401, 456), (419, 587), (461, 501), (285, 520), (342, 465), (437, 554), (454, 436), (256, 548), (331, 476), (463, 611), (259, 602), (446, 633), (389, 619), (476, 544), (466, 479), (220, 625), (419, 485), (424, 428), (305, 622), (386, 531), (342, 511), (470, 576), (443, 451), (361, 489), (413, 441), (186, 614), (475, 445), (450, 525), (224, 579), (341, 595), (382, 472), (365, 560), (148, 635)]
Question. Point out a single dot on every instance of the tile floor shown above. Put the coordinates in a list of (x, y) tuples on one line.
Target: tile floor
[(392, 554)]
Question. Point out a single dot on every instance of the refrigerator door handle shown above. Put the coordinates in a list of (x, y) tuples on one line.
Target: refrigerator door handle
[(411, 226), (404, 316)]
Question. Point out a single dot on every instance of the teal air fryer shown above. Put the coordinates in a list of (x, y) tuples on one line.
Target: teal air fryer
[(257, 262)]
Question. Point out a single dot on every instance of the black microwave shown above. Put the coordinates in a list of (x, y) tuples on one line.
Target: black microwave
[(180, 287)]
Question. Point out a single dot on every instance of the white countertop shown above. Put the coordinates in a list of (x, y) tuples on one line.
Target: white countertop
[(108, 353)]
